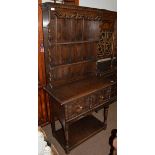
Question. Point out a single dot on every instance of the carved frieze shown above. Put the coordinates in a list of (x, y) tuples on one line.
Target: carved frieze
[(76, 12), (77, 15)]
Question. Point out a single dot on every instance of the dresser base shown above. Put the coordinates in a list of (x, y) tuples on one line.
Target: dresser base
[(80, 131)]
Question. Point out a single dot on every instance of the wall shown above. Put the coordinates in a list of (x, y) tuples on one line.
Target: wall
[(101, 4), (43, 1)]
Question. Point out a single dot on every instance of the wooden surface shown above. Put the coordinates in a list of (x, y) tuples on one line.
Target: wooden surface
[(80, 131), (70, 92), (75, 39), (43, 103)]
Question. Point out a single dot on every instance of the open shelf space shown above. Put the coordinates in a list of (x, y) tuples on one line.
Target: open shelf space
[(80, 131)]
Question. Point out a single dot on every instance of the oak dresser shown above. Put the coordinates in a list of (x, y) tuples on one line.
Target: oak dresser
[(80, 63)]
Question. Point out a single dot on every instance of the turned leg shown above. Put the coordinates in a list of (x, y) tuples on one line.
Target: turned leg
[(67, 137), (53, 126), (105, 113), (53, 119)]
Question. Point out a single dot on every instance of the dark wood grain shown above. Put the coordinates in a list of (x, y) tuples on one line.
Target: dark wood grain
[(44, 111), (81, 67), (80, 131), (70, 92)]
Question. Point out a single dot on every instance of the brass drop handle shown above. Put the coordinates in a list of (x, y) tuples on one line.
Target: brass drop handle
[(102, 97), (79, 109)]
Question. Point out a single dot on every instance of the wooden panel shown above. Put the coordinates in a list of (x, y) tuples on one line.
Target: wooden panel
[(43, 112), (60, 54), (69, 30), (63, 30), (91, 30), (71, 72)]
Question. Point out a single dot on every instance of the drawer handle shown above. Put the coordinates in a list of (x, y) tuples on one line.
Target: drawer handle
[(79, 109), (102, 97)]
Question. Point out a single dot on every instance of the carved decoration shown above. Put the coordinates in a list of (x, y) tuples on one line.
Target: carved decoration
[(105, 44), (61, 51), (51, 37), (52, 30), (77, 15), (61, 11), (77, 12)]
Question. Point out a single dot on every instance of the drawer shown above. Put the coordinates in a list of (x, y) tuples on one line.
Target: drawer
[(86, 103), (99, 97), (76, 108), (103, 95)]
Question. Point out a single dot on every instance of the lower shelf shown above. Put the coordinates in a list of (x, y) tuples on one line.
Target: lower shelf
[(80, 131)]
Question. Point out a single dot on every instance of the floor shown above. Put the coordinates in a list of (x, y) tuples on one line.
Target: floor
[(96, 145)]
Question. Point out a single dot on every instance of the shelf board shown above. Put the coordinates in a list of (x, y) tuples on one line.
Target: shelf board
[(74, 42), (80, 131)]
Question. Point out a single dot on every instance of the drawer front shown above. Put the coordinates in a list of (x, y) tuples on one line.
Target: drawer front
[(99, 97), (76, 108), (103, 95), (86, 103)]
